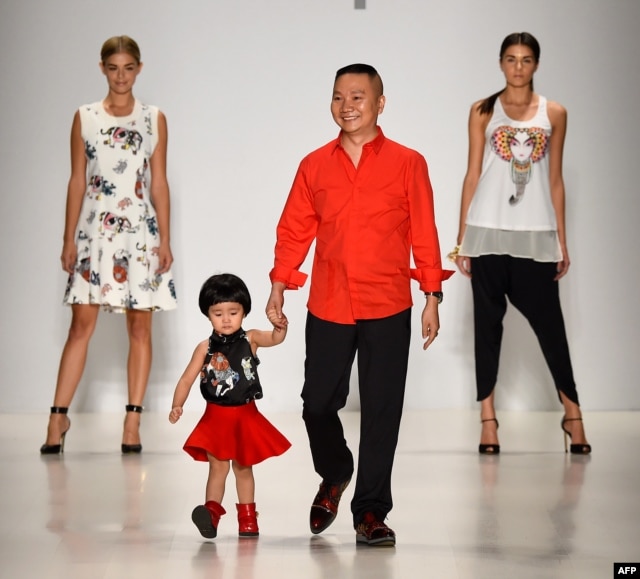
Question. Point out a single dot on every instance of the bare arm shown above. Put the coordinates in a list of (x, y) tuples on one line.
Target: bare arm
[(187, 379), (558, 117), (75, 195), (160, 194), (265, 338), (477, 126)]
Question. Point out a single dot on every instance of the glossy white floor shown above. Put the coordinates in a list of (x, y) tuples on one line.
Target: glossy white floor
[(533, 512)]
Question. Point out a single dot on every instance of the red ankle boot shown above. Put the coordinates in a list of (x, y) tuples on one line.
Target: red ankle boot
[(206, 518), (247, 520)]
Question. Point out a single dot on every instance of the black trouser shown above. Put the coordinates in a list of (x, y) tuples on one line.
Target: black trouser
[(383, 351), (530, 287)]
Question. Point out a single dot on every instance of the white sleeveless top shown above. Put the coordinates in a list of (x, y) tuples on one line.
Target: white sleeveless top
[(511, 211)]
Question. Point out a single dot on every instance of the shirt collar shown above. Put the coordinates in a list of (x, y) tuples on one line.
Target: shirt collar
[(376, 144)]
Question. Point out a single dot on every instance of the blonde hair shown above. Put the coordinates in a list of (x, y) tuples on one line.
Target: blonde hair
[(117, 44)]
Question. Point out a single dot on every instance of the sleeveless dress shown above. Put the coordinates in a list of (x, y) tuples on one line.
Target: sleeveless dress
[(117, 235), (232, 427)]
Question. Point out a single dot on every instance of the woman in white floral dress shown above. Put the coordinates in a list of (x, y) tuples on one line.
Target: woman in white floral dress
[(116, 240)]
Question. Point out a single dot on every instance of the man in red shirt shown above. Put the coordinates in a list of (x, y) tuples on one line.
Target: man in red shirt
[(368, 204)]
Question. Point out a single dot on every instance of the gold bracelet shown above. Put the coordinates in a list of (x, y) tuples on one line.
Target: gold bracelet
[(451, 256)]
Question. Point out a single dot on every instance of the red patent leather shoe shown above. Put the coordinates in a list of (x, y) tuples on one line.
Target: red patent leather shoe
[(373, 531), (247, 520), (206, 517), (325, 506)]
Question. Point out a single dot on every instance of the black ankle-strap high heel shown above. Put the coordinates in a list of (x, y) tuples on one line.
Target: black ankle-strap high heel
[(489, 448), (56, 448), (132, 448), (574, 448)]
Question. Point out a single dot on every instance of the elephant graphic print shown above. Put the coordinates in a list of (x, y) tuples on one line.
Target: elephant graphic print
[(117, 237), (521, 148), (514, 189)]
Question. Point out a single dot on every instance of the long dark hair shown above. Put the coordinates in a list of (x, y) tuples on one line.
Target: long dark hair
[(524, 38)]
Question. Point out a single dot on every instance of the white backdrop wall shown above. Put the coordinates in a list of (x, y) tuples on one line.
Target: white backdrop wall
[(246, 87)]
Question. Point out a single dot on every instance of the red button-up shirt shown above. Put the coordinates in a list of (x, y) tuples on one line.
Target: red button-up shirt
[(366, 222)]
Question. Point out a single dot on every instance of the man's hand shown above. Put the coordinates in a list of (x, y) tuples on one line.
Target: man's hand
[(278, 321), (430, 321), (275, 305)]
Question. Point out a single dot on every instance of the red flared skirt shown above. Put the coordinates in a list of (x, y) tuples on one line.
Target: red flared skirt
[(239, 433)]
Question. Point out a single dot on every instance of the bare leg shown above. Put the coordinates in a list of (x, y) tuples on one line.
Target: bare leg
[(489, 433), (72, 363), (218, 471), (575, 427), (245, 483), (138, 368)]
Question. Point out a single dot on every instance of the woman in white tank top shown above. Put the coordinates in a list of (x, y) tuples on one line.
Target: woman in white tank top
[(511, 241)]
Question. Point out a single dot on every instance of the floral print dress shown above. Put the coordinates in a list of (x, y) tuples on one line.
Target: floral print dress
[(117, 235)]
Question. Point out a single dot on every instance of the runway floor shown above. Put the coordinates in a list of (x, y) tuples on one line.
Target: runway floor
[(533, 512)]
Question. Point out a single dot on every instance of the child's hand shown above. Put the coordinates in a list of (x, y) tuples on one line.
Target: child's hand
[(175, 414), (279, 322)]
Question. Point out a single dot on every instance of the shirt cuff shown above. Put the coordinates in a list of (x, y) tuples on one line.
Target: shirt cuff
[(291, 278), (431, 279)]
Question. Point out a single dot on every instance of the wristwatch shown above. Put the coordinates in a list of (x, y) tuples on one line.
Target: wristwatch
[(437, 295)]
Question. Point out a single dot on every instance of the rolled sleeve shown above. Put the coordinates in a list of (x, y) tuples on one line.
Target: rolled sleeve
[(430, 280), (292, 278)]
